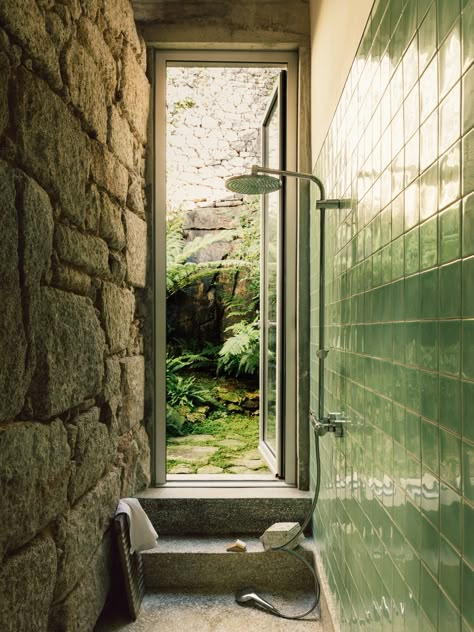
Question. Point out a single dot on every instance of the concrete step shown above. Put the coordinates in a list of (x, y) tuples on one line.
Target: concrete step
[(204, 564), (221, 512)]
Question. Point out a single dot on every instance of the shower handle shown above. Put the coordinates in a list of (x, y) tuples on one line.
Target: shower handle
[(334, 422)]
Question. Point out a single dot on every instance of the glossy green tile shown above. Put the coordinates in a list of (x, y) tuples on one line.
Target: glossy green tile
[(468, 408), (429, 385), (468, 470), (468, 540), (450, 454), (412, 251), (430, 542), (468, 163), (450, 176), (412, 385), (412, 168), (429, 445), (468, 288), (450, 332), (467, 592), (450, 60), (412, 297), (429, 141), (468, 346), (411, 112), (413, 532), (468, 101), (448, 12), (429, 345), (398, 258), (451, 515), (450, 118), (427, 35), (449, 616), (410, 66), (450, 290), (429, 596), (399, 424), (450, 234), (397, 216), (412, 342), (450, 409), (429, 95), (450, 572), (398, 298), (386, 256), (468, 225), (429, 243), (429, 192), (429, 294), (413, 434), (467, 31), (398, 342)]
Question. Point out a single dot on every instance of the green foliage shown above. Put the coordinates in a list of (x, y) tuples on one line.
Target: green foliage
[(241, 352), (180, 272)]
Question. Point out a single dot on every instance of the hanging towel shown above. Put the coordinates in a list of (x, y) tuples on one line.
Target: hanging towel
[(142, 533)]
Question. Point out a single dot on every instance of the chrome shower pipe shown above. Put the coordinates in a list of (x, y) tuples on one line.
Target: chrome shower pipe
[(321, 204)]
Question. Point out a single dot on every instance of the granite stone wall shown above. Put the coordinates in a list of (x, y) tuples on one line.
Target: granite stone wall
[(73, 113)]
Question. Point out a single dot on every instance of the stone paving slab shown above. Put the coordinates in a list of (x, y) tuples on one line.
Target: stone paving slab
[(191, 453)]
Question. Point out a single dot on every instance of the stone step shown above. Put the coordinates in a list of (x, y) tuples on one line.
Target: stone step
[(222, 512), (204, 564)]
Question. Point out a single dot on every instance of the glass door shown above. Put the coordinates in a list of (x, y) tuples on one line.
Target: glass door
[(272, 387)]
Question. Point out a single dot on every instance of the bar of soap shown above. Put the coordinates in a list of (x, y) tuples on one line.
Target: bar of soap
[(238, 547)]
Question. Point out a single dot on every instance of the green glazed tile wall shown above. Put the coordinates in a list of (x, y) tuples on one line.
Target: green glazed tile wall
[(395, 520)]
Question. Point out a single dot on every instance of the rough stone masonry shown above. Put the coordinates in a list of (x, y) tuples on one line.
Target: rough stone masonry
[(73, 113)]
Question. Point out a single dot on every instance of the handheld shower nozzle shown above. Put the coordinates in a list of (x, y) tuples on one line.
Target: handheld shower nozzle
[(248, 597)]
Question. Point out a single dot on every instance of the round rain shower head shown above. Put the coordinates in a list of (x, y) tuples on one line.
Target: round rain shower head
[(253, 184)]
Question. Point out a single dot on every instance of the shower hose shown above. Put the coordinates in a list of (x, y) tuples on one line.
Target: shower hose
[(284, 547)]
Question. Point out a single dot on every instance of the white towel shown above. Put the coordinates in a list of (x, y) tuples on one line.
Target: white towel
[(142, 533)]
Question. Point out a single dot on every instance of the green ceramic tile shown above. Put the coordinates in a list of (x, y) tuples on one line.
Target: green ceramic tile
[(468, 101), (429, 243), (428, 358), (448, 12), (386, 255), (468, 540), (429, 384), (412, 342), (468, 288), (430, 542), (412, 167), (429, 597), (429, 445), (412, 297), (468, 346), (411, 112), (427, 36), (468, 225), (413, 434), (467, 592), (397, 216), (450, 515), (450, 290), (398, 342), (398, 258), (450, 234), (398, 298), (429, 294), (409, 20), (429, 141), (399, 423), (450, 410), (468, 470), (413, 532), (412, 251), (450, 60), (450, 346), (448, 616), (450, 176), (429, 90), (410, 69), (468, 163), (450, 118), (468, 407), (467, 31), (450, 454), (429, 192), (450, 572), (412, 384), (423, 6)]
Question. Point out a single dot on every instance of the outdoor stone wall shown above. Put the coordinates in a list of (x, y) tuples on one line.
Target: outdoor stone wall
[(214, 117), (73, 113)]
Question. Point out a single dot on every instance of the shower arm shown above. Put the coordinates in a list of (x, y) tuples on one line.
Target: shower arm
[(321, 424)]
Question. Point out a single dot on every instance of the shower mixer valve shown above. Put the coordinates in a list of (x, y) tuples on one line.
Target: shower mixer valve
[(334, 422)]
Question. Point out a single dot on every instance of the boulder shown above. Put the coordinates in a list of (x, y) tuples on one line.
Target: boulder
[(136, 249), (133, 392), (118, 307)]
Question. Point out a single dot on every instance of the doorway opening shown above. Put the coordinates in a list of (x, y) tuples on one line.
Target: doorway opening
[(226, 375)]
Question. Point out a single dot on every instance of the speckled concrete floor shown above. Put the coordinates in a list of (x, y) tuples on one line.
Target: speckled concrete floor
[(191, 612)]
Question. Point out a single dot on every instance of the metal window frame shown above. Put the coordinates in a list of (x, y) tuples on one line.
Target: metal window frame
[(221, 58)]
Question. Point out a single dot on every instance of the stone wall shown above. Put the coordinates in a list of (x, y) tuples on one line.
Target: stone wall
[(214, 116), (73, 114)]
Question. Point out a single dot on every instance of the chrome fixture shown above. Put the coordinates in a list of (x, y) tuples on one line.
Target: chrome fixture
[(334, 422), (248, 597)]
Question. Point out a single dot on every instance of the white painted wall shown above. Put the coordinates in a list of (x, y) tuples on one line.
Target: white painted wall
[(336, 30)]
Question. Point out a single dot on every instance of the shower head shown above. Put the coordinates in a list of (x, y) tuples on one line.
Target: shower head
[(253, 184), (248, 597)]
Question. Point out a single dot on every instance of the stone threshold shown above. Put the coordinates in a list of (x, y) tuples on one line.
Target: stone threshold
[(205, 489)]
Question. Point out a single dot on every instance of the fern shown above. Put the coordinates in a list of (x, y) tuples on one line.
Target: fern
[(241, 352)]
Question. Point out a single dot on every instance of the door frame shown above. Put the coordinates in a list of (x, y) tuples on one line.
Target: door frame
[(284, 59)]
